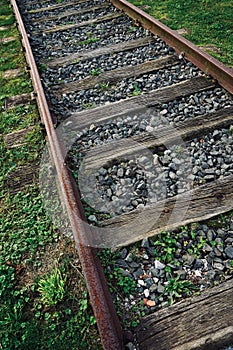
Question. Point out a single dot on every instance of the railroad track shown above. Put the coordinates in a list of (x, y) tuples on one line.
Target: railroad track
[(143, 124)]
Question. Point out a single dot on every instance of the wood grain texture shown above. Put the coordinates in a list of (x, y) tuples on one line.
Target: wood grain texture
[(16, 100), (173, 134), (113, 76), (202, 322), (17, 138), (70, 13), (82, 24), (164, 95), (22, 177), (200, 203), (105, 50)]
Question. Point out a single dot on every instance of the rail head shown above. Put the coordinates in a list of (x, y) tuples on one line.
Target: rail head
[(107, 320)]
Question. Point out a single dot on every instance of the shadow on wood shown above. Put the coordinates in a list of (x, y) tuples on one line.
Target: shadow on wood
[(203, 322)]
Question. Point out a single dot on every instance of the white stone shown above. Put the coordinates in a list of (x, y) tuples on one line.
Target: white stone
[(141, 282), (159, 265)]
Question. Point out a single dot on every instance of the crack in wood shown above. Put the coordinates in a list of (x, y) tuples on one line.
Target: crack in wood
[(198, 323), (131, 105), (172, 134), (105, 50), (70, 13), (82, 24), (113, 76)]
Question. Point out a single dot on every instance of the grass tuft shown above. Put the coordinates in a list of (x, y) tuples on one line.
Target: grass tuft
[(42, 306)]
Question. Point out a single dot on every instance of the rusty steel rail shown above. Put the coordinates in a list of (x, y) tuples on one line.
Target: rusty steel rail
[(107, 320), (199, 58)]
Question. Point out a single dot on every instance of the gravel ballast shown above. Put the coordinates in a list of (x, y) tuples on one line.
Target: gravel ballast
[(40, 5), (58, 44), (193, 257), (107, 62), (71, 19), (143, 180), (198, 253), (128, 87)]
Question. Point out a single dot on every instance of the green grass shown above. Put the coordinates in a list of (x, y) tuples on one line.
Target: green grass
[(136, 91), (10, 48), (9, 55), (206, 21), (10, 62), (18, 118), (123, 287), (88, 41), (176, 289), (52, 287), (19, 156), (6, 20), (95, 71), (8, 32), (15, 86), (26, 319), (43, 305)]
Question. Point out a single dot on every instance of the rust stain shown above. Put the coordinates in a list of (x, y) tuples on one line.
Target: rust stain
[(107, 320)]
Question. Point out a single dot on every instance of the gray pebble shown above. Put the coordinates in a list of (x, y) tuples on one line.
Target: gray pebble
[(229, 251)]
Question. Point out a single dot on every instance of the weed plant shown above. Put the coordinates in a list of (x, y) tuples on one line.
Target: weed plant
[(122, 288), (43, 298)]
